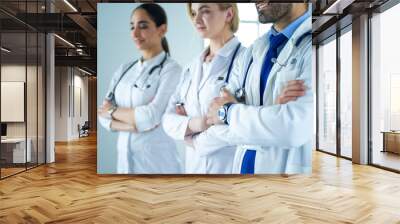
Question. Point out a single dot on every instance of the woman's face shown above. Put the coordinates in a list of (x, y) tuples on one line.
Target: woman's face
[(209, 20), (144, 31)]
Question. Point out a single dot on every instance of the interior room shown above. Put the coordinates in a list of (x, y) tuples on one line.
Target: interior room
[(52, 85)]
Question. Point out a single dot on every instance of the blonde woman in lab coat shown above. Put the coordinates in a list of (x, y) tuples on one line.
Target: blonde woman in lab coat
[(201, 82), (138, 96)]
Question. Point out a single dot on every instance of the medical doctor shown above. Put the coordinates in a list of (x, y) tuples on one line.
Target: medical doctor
[(201, 83), (274, 133), (138, 96)]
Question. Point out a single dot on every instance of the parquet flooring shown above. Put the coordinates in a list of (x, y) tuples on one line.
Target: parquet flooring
[(10, 171), (70, 191)]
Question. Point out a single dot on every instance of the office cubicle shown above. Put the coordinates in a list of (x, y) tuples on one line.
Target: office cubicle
[(22, 90)]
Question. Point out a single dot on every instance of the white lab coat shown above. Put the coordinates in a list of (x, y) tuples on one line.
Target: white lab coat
[(197, 92), (150, 150), (281, 134)]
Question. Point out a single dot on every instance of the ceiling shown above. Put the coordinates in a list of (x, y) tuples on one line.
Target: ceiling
[(76, 23)]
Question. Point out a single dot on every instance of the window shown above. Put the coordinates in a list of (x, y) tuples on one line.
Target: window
[(249, 27), (385, 88), (22, 65), (327, 97), (346, 94), (394, 101)]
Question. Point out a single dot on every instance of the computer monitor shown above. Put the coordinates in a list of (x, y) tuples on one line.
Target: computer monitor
[(3, 129)]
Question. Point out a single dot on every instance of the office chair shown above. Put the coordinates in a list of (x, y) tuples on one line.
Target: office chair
[(84, 130)]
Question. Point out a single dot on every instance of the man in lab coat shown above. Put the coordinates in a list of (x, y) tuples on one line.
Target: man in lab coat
[(273, 134)]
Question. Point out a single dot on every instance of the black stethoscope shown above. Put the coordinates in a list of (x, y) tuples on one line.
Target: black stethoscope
[(228, 74), (160, 65), (220, 77), (240, 94)]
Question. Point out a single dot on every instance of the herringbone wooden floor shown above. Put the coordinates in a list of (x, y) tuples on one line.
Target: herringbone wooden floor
[(70, 191)]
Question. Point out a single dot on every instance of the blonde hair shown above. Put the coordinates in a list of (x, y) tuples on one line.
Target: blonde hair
[(234, 24)]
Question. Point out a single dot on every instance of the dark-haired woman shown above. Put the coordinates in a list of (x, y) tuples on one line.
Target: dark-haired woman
[(138, 96)]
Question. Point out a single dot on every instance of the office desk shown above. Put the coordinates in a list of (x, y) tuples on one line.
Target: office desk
[(13, 150), (391, 141)]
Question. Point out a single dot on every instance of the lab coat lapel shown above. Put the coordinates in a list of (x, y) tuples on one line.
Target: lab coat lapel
[(198, 73), (285, 54), (220, 62), (216, 66), (259, 50), (194, 88), (187, 82)]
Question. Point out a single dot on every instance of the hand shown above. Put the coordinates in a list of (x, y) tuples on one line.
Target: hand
[(216, 104), (180, 109), (103, 109), (293, 90), (198, 124), (107, 104)]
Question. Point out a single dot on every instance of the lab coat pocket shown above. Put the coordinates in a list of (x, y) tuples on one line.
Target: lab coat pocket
[(216, 87), (209, 93)]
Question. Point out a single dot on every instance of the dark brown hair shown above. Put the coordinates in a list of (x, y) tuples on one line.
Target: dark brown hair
[(159, 17)]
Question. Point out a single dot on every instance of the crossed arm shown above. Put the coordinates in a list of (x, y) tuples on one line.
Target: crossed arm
[(291, 92), (144, 117), (123, 119)]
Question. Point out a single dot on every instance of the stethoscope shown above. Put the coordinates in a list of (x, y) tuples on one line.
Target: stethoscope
[(228, 74), (160, 65), (240, 94), (219, 77)]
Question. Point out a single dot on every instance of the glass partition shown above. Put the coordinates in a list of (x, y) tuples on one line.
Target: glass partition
[(13, 103), (327, 97), (22, 90), (346, 94), (385, 89)]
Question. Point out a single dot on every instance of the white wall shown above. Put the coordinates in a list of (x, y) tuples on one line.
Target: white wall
[(80, 83), (61, 103), (16, 73), (13, 73), (33, 126), (67, 116)]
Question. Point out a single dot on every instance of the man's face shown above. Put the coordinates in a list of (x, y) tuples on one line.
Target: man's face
[(272, 12)]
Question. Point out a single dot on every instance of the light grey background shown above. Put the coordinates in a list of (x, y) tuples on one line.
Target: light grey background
[(115, 47)]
